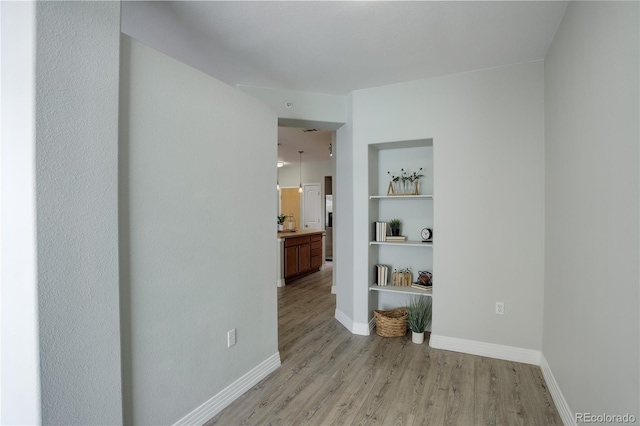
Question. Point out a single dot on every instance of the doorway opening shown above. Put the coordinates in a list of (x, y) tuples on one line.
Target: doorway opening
[(311, 209), (328, 218)]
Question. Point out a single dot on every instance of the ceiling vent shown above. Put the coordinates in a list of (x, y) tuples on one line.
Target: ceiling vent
[(310, 130)]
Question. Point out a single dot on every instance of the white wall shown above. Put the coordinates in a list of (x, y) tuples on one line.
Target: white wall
[(312, 172), (198, 256), (310, 110), (74, 167), (77, 73), (488, 136), (591, 304), (343, 230), (20, 379)]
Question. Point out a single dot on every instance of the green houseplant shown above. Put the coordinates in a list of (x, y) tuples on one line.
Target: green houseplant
[(405, 184), (395, 226), (281, 219), (419, 317)]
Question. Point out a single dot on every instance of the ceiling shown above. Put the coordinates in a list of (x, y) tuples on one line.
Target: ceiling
[(314, 144), (336, 47)]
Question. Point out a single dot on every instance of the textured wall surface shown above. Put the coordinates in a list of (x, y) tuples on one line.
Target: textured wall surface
[(488, 137), (77, 218), (591, 296), (197, 234), (343, 227)]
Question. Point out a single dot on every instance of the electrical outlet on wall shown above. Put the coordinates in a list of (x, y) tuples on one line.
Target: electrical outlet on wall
[(500, 308), (231, 338)]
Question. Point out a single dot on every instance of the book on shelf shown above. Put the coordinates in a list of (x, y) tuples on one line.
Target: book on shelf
[(396, 238), (381, 231), (422, 286), (383, 274)]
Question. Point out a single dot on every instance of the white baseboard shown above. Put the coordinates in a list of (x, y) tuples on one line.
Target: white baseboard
[(334, 289), (222, 399), (280, 282), (361, 328), (344, 320), (561, 404), (354, 327), (491, 350)]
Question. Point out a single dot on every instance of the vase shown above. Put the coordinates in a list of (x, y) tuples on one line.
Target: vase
[(417, 338), (395, 232), (280, 227)]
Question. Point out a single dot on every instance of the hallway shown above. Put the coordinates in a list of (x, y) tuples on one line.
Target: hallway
[(330, 376)]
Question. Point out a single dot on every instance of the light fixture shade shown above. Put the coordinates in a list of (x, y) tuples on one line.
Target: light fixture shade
[(300, 189)]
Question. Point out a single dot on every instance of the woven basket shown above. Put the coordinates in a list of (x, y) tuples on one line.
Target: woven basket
[(391, 323)]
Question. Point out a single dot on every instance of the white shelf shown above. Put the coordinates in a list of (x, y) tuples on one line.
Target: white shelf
[(402, 290), (414, 211), (400, 197), (400, 243)]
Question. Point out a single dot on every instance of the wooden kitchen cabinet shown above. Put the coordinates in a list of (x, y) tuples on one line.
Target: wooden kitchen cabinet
[(302, 256), (316, 251), (291, 260)]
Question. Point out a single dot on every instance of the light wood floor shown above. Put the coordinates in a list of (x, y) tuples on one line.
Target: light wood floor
[(332, 377)]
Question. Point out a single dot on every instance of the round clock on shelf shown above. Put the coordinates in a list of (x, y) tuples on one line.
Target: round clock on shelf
[(427, 235)]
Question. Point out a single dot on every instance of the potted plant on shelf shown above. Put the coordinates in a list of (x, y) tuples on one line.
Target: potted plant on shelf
[(395, 226), (419, 317), (405, 184), (281, 219)]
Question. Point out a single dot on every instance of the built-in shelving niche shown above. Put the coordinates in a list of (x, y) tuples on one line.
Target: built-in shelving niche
[(415, 212)]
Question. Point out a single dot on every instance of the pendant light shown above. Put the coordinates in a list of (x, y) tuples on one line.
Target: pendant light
[(300, 188)]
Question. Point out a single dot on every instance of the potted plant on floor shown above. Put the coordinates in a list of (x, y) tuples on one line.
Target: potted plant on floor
[(395, 226), (281, 219), (419, 317)]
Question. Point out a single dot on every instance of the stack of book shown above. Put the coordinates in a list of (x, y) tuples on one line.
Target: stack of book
[(396, 238), (422, 286), (381, 231), (383, 274)]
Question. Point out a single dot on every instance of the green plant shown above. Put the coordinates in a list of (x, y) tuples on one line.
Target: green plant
[(406, 178), (395, 224), (281, 219), (416, 175), (419, 313)]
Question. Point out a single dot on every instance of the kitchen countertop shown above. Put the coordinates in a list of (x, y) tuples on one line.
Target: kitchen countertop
[(301, 232)]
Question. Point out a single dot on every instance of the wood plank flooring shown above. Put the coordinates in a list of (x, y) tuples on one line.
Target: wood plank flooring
[(332, 377)]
